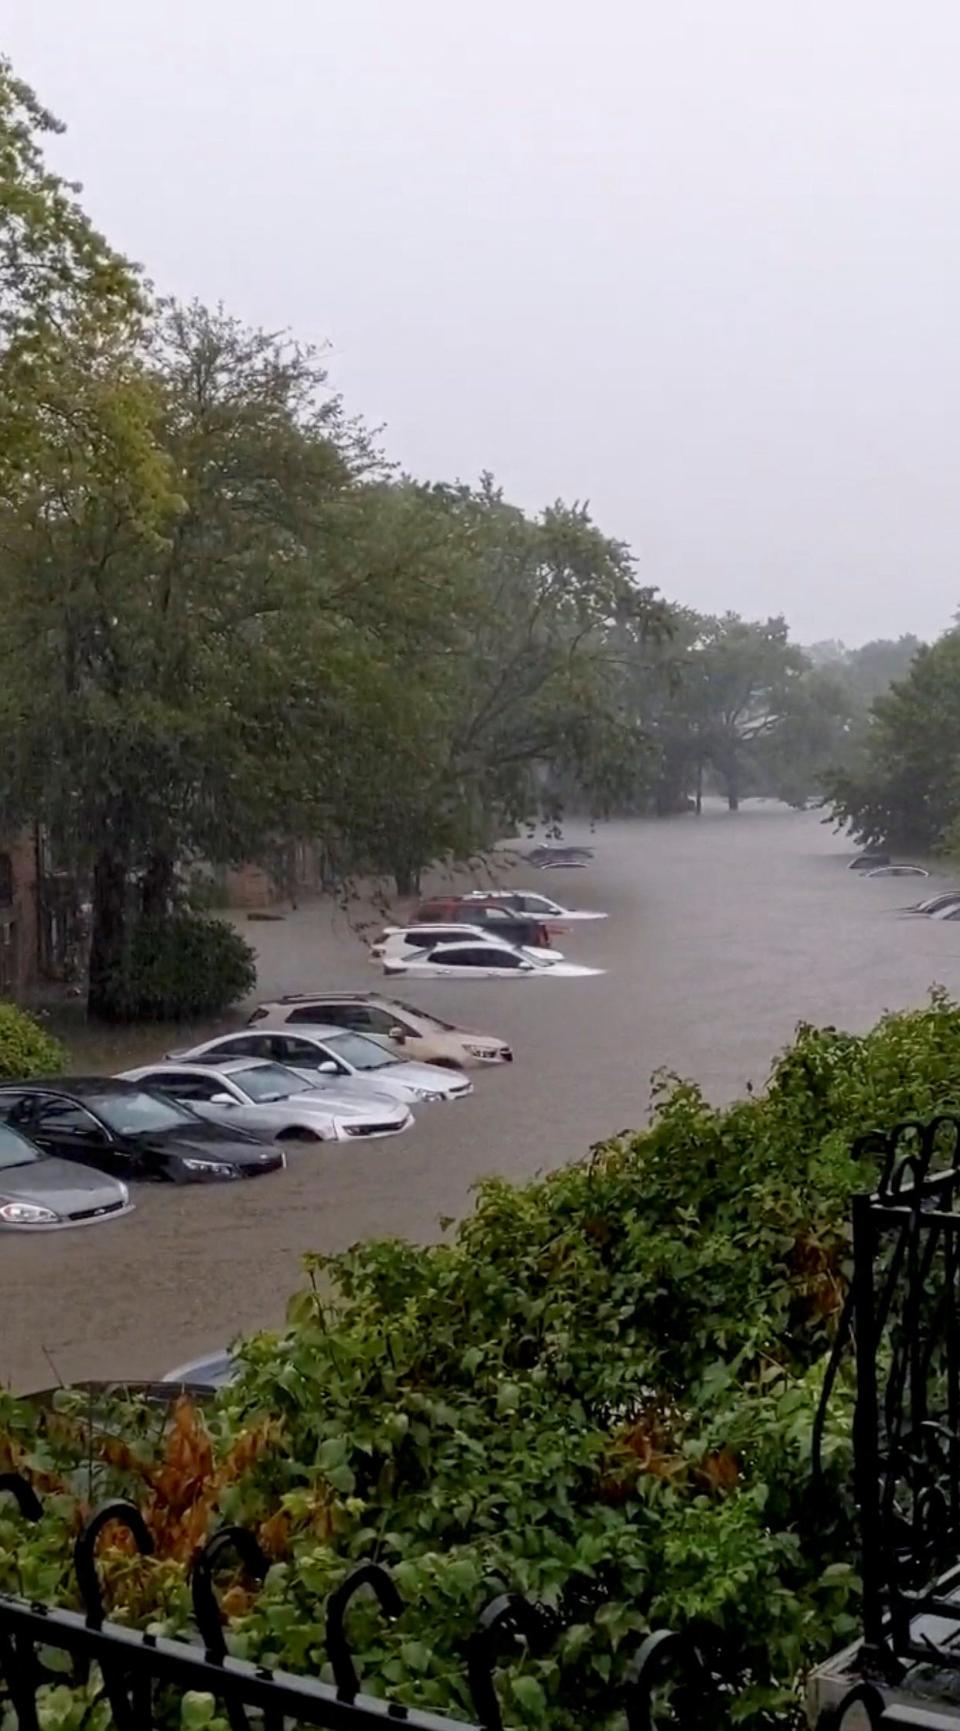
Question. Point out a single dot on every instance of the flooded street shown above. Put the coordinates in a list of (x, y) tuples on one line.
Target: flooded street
[(722, 934)]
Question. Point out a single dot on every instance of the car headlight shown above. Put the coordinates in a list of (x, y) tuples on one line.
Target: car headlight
[(27, 1214), (124, 1191), (219, 1168), (479, 1051), (425, 1094)]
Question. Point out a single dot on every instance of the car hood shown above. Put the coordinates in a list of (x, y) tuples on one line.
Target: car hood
[(345, 1090), (340, 1103), (61, 1185), (203, 1141), (429, 1076)]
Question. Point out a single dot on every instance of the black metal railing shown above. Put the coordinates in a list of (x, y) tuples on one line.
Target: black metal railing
[(140, 1675), (903, 1316)]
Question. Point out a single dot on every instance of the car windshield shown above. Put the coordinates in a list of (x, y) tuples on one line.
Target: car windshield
[(14, 1151), (136, 1113), (360, 1052), (267, 1082)]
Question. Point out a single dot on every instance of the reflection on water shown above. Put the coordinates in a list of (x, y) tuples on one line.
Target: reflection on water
[(723, 934)]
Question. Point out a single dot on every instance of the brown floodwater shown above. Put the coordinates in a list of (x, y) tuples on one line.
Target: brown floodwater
[(723, 933)]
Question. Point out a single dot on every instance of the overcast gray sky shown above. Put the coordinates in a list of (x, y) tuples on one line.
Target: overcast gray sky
[(696, 262)]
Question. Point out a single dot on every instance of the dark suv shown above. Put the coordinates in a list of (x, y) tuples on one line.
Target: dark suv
[(505, 922)]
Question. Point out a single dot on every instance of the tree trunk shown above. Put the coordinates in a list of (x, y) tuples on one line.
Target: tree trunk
[(699, 796), (733, 790), (157, 887), (108, 933), (407, 878)]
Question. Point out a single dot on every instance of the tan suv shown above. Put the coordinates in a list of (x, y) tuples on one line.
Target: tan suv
[(414, 1033)]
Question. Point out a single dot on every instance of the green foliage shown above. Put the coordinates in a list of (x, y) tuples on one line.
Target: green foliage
[(600, 1393), (183, 965), (26, 1049), (908, 791)]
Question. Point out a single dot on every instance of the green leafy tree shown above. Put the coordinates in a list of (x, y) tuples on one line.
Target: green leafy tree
[(815, 731), (162, 703), (908, 792), (749, 669)]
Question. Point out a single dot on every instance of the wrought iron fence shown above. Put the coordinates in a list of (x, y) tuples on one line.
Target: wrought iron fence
[(903, 1316), (143, 1676)]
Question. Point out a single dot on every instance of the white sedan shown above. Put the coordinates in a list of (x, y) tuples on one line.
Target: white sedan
[(476, 959), (536, 906), (270, 1100), (355, 1065), (402, 943)]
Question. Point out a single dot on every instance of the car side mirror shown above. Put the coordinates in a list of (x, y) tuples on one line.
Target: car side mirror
[(398, 1035), (526, 967), (222, 1100), (327, 1068)]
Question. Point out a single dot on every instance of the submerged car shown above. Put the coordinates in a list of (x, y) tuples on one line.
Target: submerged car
[(491, 914), (397, 942), (897, 871), (552, 855), (272, 1101), (120, 1128), (865, 861), (536, 906), (479, 960), (41, 1194), (213, 1370), (933, 904), (415, 1033), (364, 1065)]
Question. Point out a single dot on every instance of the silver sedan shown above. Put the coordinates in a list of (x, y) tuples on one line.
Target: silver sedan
[(40, 1194), (272, 1101)]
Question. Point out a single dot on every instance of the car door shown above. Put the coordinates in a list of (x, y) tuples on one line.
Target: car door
[(66, 1129)]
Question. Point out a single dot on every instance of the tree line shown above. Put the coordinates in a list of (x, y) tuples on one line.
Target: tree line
[(228, 624)]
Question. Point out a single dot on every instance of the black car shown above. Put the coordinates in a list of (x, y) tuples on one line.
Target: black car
[(130, 1133)]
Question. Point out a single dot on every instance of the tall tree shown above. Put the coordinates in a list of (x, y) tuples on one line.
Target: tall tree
[(908, 791), (745, 670), (162, 702)]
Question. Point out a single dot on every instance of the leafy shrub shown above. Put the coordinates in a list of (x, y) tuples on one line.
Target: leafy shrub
[(601, 1393), (26, 1049), (184, 965)]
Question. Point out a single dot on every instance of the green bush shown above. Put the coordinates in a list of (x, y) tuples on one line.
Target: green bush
[(26, 1049), (181, 966), (600, 1393)]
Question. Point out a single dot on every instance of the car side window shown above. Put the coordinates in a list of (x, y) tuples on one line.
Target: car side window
[(489, 959), (334, 1014), (246, 1046), (60, 1115), (381, 1021), (17, 1108), (299, 1052), (180, 1085), (346, 1016)]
